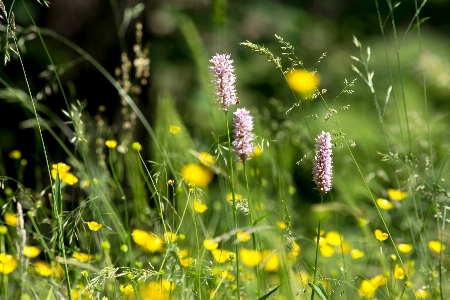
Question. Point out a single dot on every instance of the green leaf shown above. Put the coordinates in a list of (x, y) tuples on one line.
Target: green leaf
[(262, 217), (319, 289), (266, 296), (417, 25), (58, 202)]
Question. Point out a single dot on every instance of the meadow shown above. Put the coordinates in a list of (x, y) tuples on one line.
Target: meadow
[(220, 162)]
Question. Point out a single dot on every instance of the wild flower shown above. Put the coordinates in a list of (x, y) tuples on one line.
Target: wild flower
[(174, 129), (210, 244), (356, 254), (322, 170), (243, 236), (10, 218), (64, 174), (7, 263), (384, 204), (243, 136), (397, 195), (221, 255), (295, 249), (170, 237), (149, 242), (15, 154), (399, 273), (94, 226), (238, 198), (436, 246), (250, 258), (83, 257), (199, 175), (368, 287), (334, 238), (224, 79), (31, 251), (381, 236), (42, 268), (111, 144), (156, 290), (199, 207), (404, 248), (271, 261), (302, 81)]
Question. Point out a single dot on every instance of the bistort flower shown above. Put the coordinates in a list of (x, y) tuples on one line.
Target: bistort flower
[(224, 79), (322, 168), (243, 136)]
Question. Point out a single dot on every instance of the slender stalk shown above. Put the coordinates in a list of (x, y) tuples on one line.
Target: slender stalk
[(317, 248)]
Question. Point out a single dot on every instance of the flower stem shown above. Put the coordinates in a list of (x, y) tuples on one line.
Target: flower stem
[(317, 249)]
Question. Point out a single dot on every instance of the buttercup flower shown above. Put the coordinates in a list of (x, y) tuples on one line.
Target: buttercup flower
[(322, 168), (174, 129), (243, 136), (405, 248), (272, 261), (210, 244), (7, 263), (83, 257), (43, 269), (436, 246), (221, 255), (243, 236), (396, 195), (224, 79), (111, 144), (64, 174), (384, 204), (356, 253), (94, 226), (199, 207), (302, 81), (250, 258), (149, 242), (31, 251), (199, 175), (381, 236), (10, 219)]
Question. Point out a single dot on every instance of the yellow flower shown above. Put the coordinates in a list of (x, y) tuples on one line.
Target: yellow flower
[(421, 294), (199, 207), (237, 197), (94, 226), (70, 179), (136, 146), (256, 152), (43, 269), (272, 261), (399, 273), (250, 258), (170, 237), (153, 291), (174, 129), (281, 224), (126, 289), (31, 251), (64, 174), (381, 236), (362, 222), (384, 204), (15, 154), (326, 250), (221, 255), (368, 287), (207, 159), (295, 249), (404, 248), (334, 238), (149, 242), (139, 236), (83, 257), (302, 81), (11, 219), (243, 236), (198, 175), (356, 253), (7, 263), (210, 244), (186, 262), (396, 195), (111, 144), (346, 247), (3, 229), (436, 246)]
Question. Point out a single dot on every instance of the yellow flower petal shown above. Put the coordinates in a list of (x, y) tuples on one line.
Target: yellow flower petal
[(256, 152), (404, 248), (126, 289), (436, 246), (210, 244), (381, 236), (11, 219), (334, 238), (326, 250), (302, 81), (221, 255), (281, 224), (399, 273), (170, 237), (207, 159), (199, 175), (94, 226), (199, 207), (250, 258), (397, 195), (7, 263), (31, 251), (153, 244), (272, 261), (83, 257), (136, 146), (295, 249), (237, 197), (186, 262), (15, 154), (140, 236), (421, 294), (174, 129), (356, 253), (243, 236), (111, 144), (384, 204), (42, 268)]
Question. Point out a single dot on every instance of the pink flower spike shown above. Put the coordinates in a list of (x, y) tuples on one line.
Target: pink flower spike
[(224, 80), (322, 168), (243, 136)]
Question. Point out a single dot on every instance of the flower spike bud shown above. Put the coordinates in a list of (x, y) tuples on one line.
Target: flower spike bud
[(224, 80), (243, 136), (322, 168)]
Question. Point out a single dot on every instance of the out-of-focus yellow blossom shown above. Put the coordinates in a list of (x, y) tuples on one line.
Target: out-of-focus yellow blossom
[(210, 244), (15, 154), (85, 183), (200, 207), (156, 290), (250, 258), (368, 287), (3, 229), (384, 204), (397, 195), (346, 247), (64, 174), (295, 249), (237, 197), (256, 152), (170, 237), (381, 236), (42, 268), (243, 236), (227, 275), (11, 219), (326, 250), (199, 175), (272, 261), (404, 248), (94, 226), (399, 273), (111, 144), (302, 81), (83, 257), (7, 263), (362, 222), (186, 262), (221, 255), (31, 251), (136, 146), (127, 290), (206, 159), (436, 246), (281, 224), (333, 238), (356, 253), (174, 129), (421, 294), (147, 241)]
